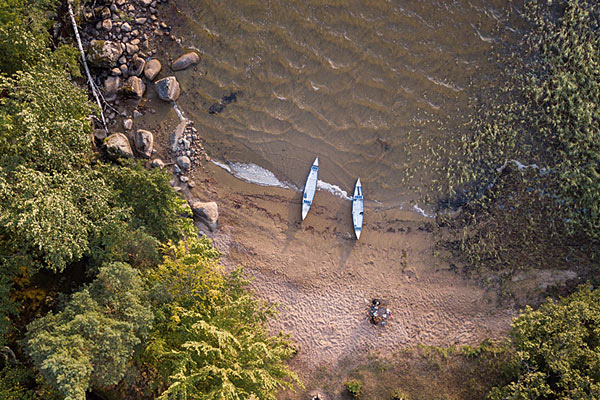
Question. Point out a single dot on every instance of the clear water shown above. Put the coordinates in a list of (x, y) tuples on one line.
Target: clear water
[(375, 89)]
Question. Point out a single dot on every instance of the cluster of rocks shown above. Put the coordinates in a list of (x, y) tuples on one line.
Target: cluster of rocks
[(186, 148), (119, 38), (117, 145)]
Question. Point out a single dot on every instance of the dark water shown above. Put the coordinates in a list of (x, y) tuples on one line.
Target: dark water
[(376, 89)]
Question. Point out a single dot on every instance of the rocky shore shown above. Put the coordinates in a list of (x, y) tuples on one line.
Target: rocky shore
[(121, 39)]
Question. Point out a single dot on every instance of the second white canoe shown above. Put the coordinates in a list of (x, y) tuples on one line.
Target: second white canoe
[(358, 208)]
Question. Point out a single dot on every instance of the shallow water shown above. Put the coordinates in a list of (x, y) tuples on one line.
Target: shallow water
[(375, 89)]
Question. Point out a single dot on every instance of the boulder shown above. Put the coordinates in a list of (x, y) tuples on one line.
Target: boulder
[(184, 61), (176, 135), (100, 134), (111, 86), (133, 87), (144, 140), (152, 69), (118, 146), (103, 53), (168, 88), (206, 212), (184, 162), (157, 163), (138, 66)]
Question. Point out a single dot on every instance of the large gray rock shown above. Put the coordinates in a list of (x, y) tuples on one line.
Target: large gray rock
[(133, 87), (168, 88), (184, 162), (118, 146), (144, 141), (185, 60), (176, 135), (152, 69), (206, 212), (103, 53), (111, 86)]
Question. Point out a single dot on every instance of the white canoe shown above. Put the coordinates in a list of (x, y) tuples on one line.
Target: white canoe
[(310, 188), (358, 208)]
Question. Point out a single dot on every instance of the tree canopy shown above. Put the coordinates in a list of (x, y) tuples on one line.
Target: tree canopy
[(210, 339), (558, 350), (92, 340)]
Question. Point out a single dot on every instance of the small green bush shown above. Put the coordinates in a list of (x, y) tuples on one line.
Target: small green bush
[(354, 387), (399, 395)]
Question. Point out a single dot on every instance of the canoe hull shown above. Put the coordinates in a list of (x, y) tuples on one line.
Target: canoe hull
[(310, 188), (358, 208)]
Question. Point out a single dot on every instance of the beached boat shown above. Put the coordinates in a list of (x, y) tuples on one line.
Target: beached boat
[(358, 208), (310, 188)]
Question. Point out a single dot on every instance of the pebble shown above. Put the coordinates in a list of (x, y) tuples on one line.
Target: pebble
[(123, 60), (191, 184), (176, 169), (137, 114), (141, 20), (127, 123), (107, 24), (126, 27), (183, 178), (115, 71)]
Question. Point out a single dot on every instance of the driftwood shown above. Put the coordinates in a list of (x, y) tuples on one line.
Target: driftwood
[(85, 66)]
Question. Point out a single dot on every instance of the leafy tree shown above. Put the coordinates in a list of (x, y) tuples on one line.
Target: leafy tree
[(153, 203), (558, 347), (210, 339), (91, 341)]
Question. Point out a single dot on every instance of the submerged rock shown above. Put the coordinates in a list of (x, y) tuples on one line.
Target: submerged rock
[(185, 61), (168, 88), (117, 146)]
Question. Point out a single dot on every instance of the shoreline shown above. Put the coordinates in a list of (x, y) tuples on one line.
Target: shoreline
[(322, 279)]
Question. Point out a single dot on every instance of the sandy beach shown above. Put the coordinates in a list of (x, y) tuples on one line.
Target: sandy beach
[(323, 279)]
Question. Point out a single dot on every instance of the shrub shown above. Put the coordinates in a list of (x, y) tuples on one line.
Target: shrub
[(354, 387)]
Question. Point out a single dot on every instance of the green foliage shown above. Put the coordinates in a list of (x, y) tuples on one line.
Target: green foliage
[(534, 149), (19, 383), (12, 385), (91, 341), (558, 350), (44, 120), (23, 33), (153, 203), (354, 387), (210, 339)]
